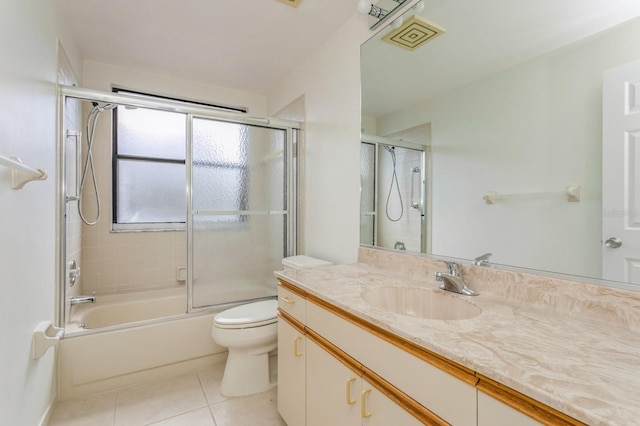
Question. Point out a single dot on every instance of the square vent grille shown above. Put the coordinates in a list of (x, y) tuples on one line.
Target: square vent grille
[(292, 3), (413, 33)]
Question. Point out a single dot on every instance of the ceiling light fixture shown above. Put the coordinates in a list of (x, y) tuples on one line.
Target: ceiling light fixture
[(380, 13)]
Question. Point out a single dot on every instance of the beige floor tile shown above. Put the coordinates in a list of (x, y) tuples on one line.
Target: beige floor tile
[(97, 410), (159, 400), (200, 417), (211, 379), (254, 410)]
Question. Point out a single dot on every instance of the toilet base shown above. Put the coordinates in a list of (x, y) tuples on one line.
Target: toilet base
[(246, 373)]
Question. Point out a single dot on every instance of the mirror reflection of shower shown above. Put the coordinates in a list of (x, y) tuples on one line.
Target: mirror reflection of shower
[(393, 202), (394, 179)]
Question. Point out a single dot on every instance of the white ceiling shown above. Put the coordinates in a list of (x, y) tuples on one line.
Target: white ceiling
[(245, 45), (482, 37), (251, 45)]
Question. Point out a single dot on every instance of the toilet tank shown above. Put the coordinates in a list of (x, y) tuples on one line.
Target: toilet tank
[(301, 262)]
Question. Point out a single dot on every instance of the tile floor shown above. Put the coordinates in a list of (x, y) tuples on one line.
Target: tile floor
[(191, 399)]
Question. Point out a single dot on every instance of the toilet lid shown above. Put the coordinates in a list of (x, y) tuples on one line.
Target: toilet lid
[(257, 313)]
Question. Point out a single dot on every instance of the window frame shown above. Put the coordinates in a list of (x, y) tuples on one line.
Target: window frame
[(116, 157)]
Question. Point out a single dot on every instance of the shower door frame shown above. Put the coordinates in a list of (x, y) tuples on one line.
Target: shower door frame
[(292, 129), (290, 181), (425, 179)]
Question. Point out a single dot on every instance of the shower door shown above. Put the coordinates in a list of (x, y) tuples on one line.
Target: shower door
[(239, 224)]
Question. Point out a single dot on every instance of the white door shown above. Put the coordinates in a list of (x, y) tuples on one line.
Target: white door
[(621, 174)]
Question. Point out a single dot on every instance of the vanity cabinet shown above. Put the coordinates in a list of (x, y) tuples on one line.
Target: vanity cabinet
[(291, 358), (335, 368), (447, 395), (320, 384)]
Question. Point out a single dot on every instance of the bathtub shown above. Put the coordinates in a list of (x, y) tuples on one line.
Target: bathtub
[(162, 339), (126, 308)]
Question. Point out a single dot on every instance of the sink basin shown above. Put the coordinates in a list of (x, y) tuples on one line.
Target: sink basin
[(421, 303)]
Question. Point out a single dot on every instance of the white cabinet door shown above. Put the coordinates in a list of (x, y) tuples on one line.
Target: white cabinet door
[(291, 374), (378, 410), (333, 390), (338, 396), (492, 412)]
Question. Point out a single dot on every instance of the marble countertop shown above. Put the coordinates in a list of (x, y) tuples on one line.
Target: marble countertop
[(583, 366)]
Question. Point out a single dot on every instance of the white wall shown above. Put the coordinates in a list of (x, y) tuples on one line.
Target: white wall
[(28, 73), (536, 127), (329, 79), (100, 76)]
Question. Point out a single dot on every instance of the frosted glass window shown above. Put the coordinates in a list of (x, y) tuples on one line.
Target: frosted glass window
[(149, 133), (150, 173), (238, 167), (151, 192), (367, 177)]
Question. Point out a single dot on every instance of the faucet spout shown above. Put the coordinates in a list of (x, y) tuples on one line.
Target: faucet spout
[(452, 281), (76, 300)]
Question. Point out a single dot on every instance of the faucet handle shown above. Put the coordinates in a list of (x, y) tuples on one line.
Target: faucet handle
[(453, 267), (482, 260)]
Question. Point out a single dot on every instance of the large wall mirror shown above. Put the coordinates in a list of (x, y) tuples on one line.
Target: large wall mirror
[(522, 114)]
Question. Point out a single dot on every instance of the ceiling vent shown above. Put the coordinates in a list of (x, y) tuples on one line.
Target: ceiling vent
[(292, 3), (413, 33)]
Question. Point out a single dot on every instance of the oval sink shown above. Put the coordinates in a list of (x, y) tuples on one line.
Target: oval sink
[(421, 303)]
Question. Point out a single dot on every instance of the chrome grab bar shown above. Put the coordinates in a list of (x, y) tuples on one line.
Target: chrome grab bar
[(414, 204)]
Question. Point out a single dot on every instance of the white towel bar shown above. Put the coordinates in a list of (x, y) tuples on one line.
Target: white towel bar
[(572, 192), (20, 173)]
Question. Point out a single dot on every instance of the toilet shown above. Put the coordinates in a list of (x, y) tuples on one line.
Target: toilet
[(250, 332)]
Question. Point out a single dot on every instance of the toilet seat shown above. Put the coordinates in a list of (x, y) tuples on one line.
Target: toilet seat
[(250, 315)]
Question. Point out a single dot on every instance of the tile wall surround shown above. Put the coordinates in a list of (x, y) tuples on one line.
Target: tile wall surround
[(588, 301), (122, 261), (132, 260)]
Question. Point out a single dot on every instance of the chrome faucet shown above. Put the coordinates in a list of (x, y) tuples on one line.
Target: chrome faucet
[(76, 300), (452, 280), (482, 260)]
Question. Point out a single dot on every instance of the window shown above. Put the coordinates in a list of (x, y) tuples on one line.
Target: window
[(149, 170)]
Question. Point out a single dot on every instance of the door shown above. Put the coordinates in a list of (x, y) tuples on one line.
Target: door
[(291, 374), (333, 390), (240, 224), (621, 174)]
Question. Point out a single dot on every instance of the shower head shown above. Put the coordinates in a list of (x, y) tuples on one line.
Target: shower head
[(389, 148), (103, 108)]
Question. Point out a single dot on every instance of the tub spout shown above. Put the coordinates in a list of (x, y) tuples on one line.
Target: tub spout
[(76, 300)]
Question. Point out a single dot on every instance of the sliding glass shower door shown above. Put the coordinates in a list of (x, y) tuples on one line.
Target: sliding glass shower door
[(240, 222)]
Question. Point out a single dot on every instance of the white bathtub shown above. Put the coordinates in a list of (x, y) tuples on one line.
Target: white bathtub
[(107, 356), (124, 308)]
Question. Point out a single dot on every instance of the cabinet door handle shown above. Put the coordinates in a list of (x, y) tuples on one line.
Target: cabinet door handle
[(363, 401), (295, 346), (349, 400), (287, 300)]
